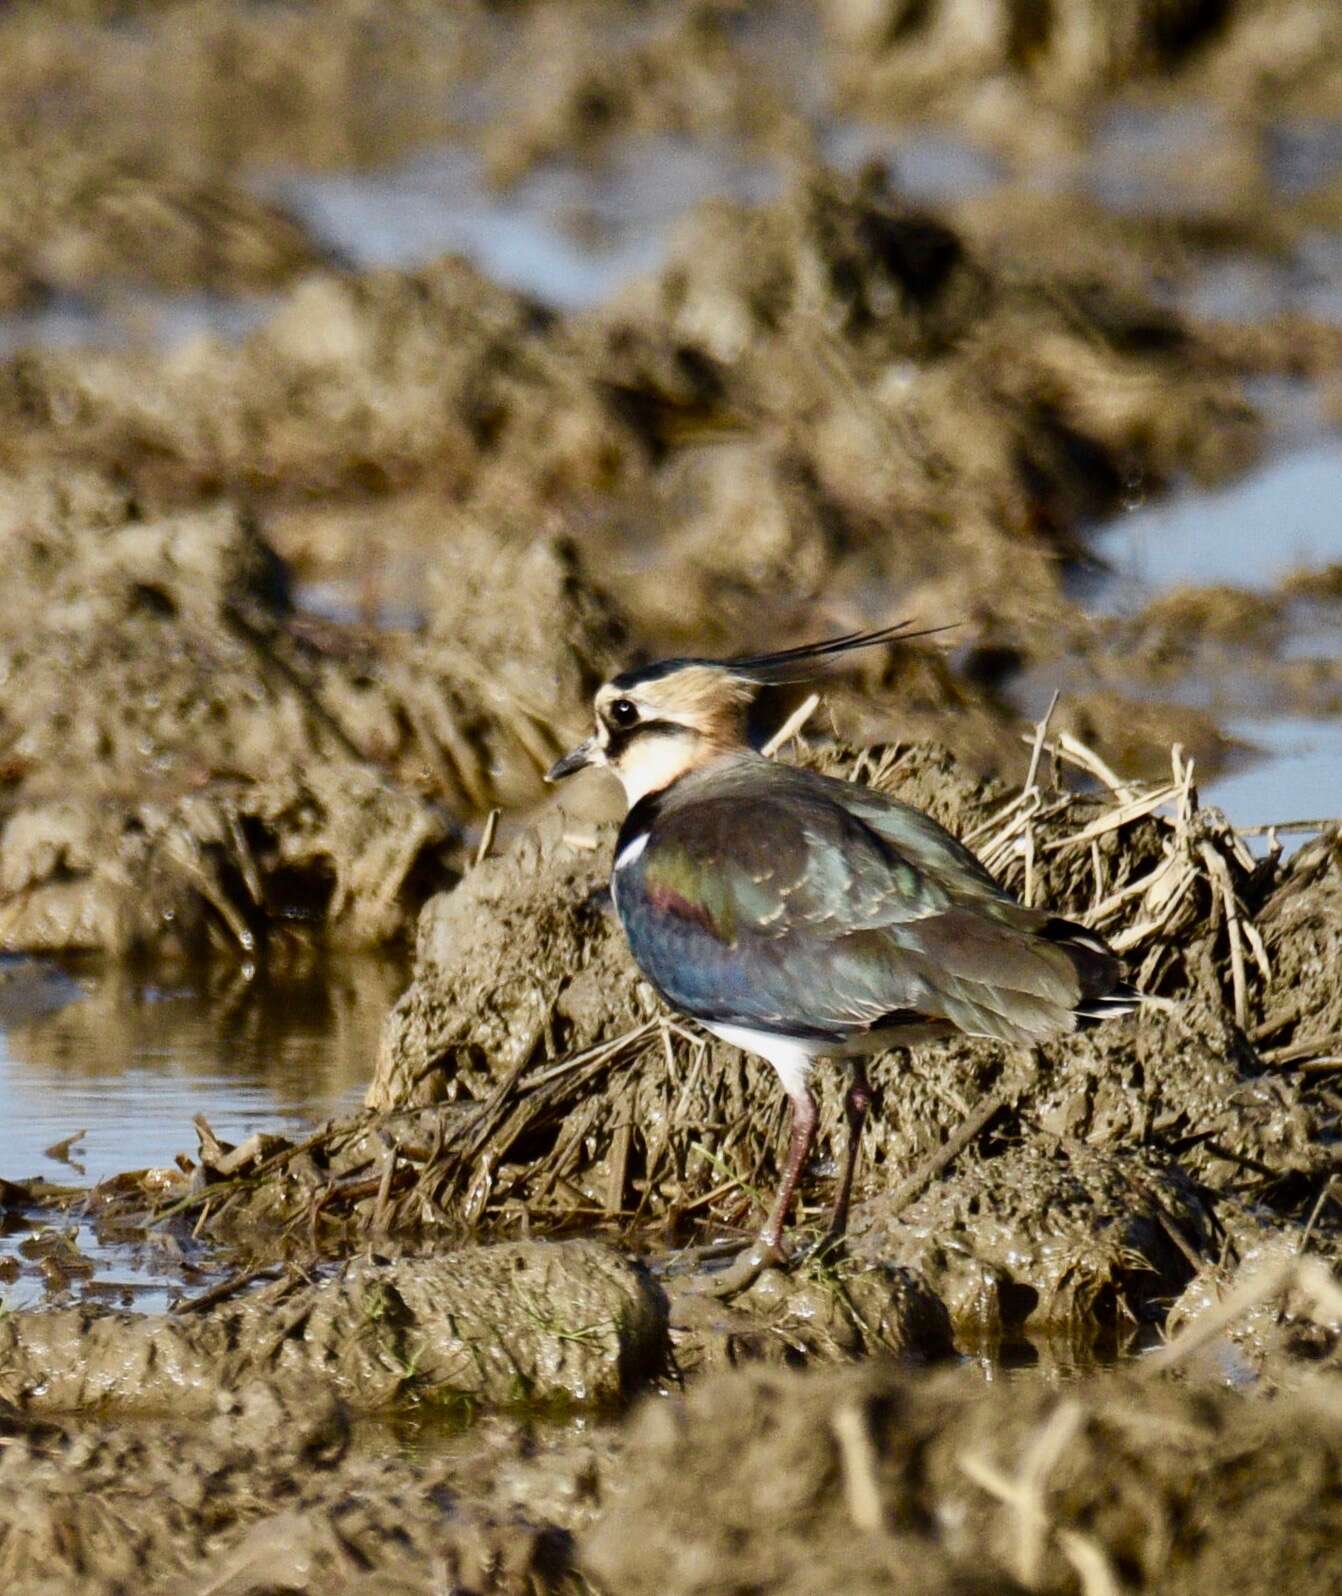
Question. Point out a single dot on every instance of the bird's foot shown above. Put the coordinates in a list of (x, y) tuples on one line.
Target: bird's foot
[(828, 1251), (748, 1266)]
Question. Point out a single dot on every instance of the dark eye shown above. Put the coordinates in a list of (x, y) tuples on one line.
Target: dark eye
[(623, 712)]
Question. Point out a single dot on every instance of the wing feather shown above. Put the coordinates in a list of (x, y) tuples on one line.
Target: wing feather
[(785, 909)]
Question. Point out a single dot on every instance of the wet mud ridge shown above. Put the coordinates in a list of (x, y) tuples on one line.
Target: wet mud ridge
[(812, 407), (1160, 1188), (757, 1479)]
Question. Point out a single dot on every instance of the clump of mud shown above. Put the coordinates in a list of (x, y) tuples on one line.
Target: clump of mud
[(869, 367), (273, 1494), (822, 1313), (81, 218), (529, 1322), (680, 70), (894, 407), (1233, 636), (546, 968), (220, 83), (812, 405), (527, 1077), (356, 382), (1028, 76), (760, 1480), (182, 758), (771, 1481)]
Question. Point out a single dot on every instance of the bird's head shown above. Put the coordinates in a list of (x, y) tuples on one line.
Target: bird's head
[(656, 723)]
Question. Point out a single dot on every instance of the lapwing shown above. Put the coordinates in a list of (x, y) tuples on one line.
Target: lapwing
[(804, 918)]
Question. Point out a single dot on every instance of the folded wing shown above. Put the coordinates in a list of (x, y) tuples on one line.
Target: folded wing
[(794, 910)]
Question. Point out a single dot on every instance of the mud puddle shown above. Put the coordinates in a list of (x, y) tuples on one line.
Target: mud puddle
[(1248, 290), (1274, 522), (573, 232), (567, 234), (1296, 769), (139, 319), (570, 235), (1256, 535), (1237, 579), (103, 1071)]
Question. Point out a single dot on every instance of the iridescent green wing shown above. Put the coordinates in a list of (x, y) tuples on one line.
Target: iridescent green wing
[(773, 913), (786, 910)]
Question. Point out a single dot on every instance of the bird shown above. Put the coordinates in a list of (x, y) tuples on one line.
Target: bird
[(803, 918)]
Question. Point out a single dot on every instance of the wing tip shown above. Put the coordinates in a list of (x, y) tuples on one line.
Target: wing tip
[(1119, 1000)]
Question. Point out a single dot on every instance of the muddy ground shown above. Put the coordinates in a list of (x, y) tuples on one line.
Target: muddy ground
[(1157, 1194), (835, 409), (1085, 1333)]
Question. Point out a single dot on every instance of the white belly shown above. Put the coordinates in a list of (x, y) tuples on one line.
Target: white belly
[(793, 1058)]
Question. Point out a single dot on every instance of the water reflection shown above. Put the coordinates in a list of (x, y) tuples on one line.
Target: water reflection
[(129, 1058)]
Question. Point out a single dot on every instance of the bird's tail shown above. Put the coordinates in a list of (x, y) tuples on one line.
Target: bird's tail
[(1121, 998), (1104, 995)]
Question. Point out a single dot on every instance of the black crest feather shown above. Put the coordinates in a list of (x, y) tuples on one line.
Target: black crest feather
[(798, 664)]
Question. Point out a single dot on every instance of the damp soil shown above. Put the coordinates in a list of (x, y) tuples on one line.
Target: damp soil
[(1030, 328), (522, 1222)]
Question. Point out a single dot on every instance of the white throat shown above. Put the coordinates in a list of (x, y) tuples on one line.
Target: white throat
[(652, 763)]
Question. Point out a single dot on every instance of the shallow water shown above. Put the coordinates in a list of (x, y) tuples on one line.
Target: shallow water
[(568, 235), (1298, 777), (1284, 517), (137, 318), (129, 1062), (272, 1052)]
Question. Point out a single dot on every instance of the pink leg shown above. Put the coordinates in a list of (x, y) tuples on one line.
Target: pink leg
[(856, 1102), (768, 1248), (800, 1141)]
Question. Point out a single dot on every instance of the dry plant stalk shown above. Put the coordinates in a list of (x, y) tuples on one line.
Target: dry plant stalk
[(1318, 1297)]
